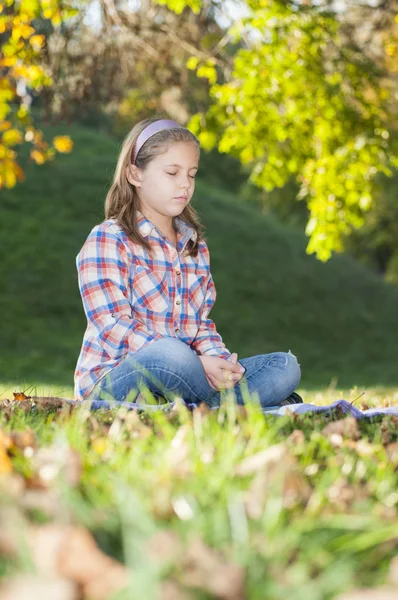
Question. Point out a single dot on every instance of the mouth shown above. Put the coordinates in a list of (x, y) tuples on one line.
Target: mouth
[(182, 198)]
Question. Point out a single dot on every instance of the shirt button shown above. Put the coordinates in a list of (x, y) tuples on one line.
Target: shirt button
[(178, 272), (178, 302), (177, 331)]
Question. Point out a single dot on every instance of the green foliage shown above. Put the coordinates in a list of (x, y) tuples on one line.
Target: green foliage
[(178, 6), (296, 104)]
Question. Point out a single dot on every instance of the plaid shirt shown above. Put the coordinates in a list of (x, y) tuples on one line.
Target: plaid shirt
[(131, 300)]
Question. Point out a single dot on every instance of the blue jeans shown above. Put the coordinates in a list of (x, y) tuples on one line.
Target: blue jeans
[(169, 368)]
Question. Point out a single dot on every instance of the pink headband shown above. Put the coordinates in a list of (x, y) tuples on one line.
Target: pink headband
[(150, 130)]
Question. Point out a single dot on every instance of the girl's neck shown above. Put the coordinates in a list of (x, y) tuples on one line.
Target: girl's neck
[(164, 224)]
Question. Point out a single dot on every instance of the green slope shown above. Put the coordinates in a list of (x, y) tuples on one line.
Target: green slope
[(338, 318)]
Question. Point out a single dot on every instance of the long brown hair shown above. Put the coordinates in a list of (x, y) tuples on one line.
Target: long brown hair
[(122, 199)]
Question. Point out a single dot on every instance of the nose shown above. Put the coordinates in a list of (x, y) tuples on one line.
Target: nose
[(185, 182)]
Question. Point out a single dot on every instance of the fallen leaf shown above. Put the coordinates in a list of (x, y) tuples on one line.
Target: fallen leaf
[(5, 462), (392, 453), (388, 429), (73, 468), (170, 590), (23, 439), (80, 559), (343, 495), (44, 500), (20, 396), (205, 569), (296, 438), (165, 546), (393, 576), (260, 460), (30, 587), (347, 427), (296, 489)]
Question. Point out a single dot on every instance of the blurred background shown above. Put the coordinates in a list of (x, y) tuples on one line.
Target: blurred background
[(294, 103)]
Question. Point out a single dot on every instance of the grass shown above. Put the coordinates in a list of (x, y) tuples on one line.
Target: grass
[(362, 397), (301, 511), (338, 318)]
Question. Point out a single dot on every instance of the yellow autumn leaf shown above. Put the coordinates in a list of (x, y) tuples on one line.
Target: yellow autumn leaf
[(37, 41), (56, 19), (63, 143), (12, 137), (37, 156), (9, 61), (5, 125), (10, 179), (5, 462)]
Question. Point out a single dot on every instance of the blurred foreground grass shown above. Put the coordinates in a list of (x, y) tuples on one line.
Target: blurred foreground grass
[(204, 504)]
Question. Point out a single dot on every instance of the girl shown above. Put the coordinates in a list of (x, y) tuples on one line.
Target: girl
[(147, 290)]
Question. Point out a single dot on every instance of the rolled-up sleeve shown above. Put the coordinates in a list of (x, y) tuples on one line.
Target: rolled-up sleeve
[(103, 283), (208, 340)]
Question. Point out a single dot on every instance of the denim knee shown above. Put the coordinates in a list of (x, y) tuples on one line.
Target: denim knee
[(173, 353), (293, 371)]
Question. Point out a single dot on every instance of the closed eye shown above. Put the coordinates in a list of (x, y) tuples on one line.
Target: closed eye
[(176, 174)]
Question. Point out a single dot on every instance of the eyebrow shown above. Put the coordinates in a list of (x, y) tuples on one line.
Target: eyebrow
[(174, 165)]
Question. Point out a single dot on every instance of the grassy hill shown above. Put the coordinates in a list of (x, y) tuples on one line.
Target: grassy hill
[(338, 318)]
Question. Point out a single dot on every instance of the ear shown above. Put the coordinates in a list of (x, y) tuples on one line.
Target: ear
[(133, 175)]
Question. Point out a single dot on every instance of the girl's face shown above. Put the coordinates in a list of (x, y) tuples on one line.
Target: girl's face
[(167, 184)]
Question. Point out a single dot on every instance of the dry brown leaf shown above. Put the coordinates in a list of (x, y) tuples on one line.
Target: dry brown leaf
[(170, 590), (162, 505), (44, 543), (256, 495), (207, 570), (347, 427), (165, 546), (80, 559), (20, 396), (30, 587), (296, 438), (177, 454), (393, 576), (342, 494), (266, 458), (10, 524), (73, 468), (392, 453), (362, 447), (388, 428), (71, 553), (295, 489), (24, 439)]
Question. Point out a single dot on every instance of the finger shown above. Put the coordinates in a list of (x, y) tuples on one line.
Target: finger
[(233, 377), (221, 385), (215, 384), (233, 358), (227, 380), (228, 366), (212, 384)]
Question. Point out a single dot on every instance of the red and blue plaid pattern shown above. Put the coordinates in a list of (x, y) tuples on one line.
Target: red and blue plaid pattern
[(131, 299)]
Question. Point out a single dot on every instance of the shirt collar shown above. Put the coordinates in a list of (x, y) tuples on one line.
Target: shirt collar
[(146, 226)]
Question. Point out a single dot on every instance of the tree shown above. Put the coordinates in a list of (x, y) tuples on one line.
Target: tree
[(22, 40), (302, 101)]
